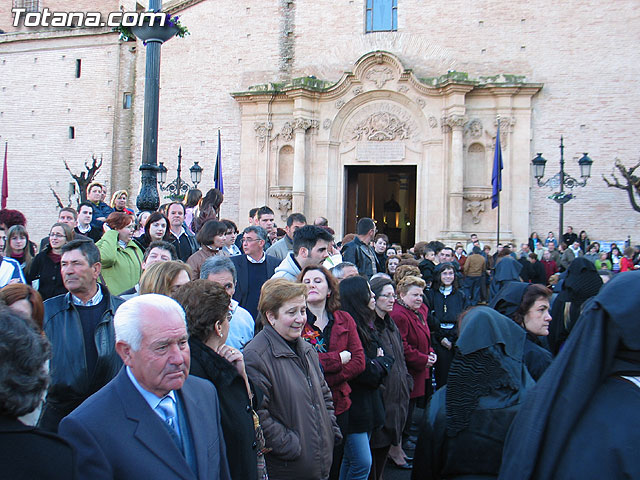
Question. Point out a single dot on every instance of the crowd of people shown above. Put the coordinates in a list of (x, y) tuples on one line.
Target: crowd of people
[(169, 344)]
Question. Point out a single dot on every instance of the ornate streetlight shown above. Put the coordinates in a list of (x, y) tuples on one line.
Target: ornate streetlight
[(153, 36), (178, 188), (562, 179)]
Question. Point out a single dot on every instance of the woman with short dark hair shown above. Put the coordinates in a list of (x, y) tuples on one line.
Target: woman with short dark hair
[(211, 237), (26, 452), (206, 305)]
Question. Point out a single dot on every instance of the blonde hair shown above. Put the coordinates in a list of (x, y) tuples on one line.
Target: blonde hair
[(275, 293), (410, 281), (158, 277), (116, 195)]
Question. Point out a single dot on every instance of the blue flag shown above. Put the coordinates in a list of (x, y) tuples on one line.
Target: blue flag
[(217, 175), (496, 175)]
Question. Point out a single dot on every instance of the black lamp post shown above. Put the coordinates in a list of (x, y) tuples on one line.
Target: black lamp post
[(562, 179), (178, 188), (154, 36)]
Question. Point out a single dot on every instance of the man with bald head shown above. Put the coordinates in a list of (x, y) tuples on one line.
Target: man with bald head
[(152, 420)]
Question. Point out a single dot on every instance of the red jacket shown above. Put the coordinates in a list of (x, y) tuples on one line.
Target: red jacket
[(416, 340), (344, 336)]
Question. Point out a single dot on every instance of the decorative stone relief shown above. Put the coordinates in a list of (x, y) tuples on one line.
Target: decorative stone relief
[(287, 132), (474, 128), (381, 126), (506, 124), (284, 201), (304, 124), (403, 89), (357, 91), (475, 205), (421, 102), (381, 121), (326, 124), (455, 121), (340, 103), (379, 75), (433, 122), (262, 132)]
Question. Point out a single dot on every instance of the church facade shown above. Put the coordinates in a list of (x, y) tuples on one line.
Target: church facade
[(388, 109)]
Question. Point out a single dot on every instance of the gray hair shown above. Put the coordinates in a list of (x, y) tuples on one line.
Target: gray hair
[(258, 230), (219, 264), (338, 270), (23, 375), (88, 249), (126, 321)]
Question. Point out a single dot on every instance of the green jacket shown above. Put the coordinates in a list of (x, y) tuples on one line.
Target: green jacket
[(121, 267)]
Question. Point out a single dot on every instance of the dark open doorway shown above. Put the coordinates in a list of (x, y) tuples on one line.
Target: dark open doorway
[(386, 194)]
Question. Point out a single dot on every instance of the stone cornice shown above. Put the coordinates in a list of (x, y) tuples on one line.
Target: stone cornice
[(179, 5)]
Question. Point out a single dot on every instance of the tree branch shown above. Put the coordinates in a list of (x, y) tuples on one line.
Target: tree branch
[(632, 186)]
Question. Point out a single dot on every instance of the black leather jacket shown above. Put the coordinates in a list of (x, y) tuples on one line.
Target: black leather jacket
[(70, 380), (361, 256)]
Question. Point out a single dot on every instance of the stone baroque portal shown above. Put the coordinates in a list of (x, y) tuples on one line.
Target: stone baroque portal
[(381, 114)]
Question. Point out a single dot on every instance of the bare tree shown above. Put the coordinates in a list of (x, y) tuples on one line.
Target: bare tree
[(83, 179), (632, 185)]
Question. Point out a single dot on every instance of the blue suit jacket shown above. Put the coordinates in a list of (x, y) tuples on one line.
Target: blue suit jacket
[(117, 435)]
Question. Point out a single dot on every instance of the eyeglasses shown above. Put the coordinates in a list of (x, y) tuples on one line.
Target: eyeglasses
[(388, 296), (249, 240), (56, 235)]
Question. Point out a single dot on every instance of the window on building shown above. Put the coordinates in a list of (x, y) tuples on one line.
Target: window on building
[(126, 101), (72, 132), (78, 67), (28, 5), (382, 15)]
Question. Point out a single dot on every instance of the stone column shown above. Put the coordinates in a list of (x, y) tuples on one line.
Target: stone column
[(456, 171), (300, 127)]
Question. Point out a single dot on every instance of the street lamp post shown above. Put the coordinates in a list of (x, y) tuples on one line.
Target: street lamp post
[(154, 36), (562, 179), (178, 188)]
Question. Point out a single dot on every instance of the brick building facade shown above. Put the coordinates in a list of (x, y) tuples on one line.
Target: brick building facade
[(580, 59)]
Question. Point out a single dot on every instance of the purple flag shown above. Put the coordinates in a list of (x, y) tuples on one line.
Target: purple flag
[(496, 175), (217, 175)]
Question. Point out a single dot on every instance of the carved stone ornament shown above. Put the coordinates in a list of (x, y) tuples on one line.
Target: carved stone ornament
[(475, 207), (304, 124), (381, 126), (262, 132), (421, 102), (287, 132), (339, 103), (379, 75), (506, 124), (455, 121), (326, 124), (474, 128), (403, 89), (284, 200), (433, 122), (357, 91)]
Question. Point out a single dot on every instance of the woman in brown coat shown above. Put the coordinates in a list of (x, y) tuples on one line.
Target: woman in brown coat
[(297, 412)]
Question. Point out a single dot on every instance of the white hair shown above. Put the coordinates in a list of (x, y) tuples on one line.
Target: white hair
[(126, 320)]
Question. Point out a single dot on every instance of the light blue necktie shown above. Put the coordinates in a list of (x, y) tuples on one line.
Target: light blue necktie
[(168, 408)]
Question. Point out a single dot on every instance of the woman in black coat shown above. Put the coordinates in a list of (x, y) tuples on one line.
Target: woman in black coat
[(207, 308), (445, 301), (27, 452), (45, 267)]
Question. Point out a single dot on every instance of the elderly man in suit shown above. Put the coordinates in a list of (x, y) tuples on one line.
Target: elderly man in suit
[(152, 420)]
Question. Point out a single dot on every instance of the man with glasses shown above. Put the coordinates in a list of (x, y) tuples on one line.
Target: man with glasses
[(253, 268)]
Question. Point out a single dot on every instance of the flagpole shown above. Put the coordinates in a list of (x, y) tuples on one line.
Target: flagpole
[(496, 179)]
